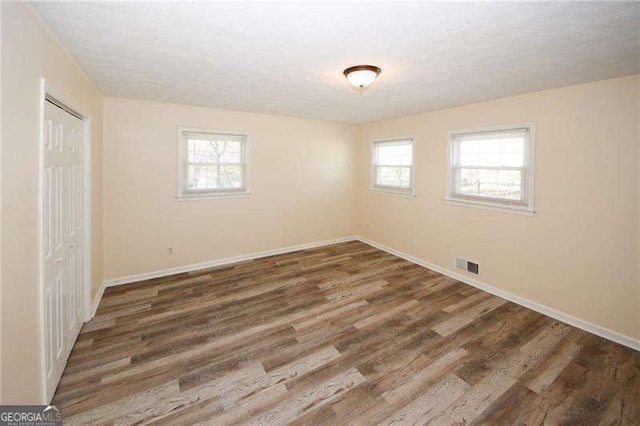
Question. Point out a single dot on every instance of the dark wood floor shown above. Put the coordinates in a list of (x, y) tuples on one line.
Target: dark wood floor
[(339, 334)]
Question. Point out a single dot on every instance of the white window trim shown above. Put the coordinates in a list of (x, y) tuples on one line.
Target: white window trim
[(214, 194), (390, 190), (495, 204)]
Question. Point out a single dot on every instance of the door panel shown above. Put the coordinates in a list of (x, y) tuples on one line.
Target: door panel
[(57, 209), (47, 211), (58, 325), (48, 340), (62, 238)]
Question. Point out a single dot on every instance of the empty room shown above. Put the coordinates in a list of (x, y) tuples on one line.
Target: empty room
[(320, 213)]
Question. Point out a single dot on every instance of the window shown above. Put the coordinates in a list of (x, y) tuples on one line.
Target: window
[(493, 167), (211, 164), (392, 166)]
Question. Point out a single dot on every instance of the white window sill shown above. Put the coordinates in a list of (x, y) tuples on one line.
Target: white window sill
[(212, 196), (403, 194), (523, 211)]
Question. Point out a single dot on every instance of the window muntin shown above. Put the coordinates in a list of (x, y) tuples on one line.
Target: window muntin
[(492, 166), (213, 163), (393, 165)]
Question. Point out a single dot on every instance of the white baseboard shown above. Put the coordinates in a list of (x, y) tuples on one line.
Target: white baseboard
[(96, 301), (219, 262), (545, 310)]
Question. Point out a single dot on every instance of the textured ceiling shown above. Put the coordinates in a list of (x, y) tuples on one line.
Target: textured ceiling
[(288, 58)]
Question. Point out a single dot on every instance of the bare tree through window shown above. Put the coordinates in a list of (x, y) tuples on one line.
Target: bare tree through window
[(214, 162)]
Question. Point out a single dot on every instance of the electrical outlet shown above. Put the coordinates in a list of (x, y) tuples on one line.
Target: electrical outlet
[(170, 251)]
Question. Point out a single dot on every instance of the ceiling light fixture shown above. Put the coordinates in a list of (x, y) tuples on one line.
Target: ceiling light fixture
[(361, 76)]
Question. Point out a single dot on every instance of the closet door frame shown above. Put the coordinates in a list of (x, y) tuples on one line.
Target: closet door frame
[(46, 88)]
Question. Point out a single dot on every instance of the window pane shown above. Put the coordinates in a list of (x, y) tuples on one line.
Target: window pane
[(214, 177), (394, 154), (230, 176), (509, 184), (405, 177), (487, 181), (469, 147), (467, 182), (214, 151), (492, 151), (399, 177), (489, 145), (202, 177), (196, 150), (512, 144), (229, 152), (492, 183), (512, 159)]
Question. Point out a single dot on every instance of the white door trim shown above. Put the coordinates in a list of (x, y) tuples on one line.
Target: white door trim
[(46, 88)]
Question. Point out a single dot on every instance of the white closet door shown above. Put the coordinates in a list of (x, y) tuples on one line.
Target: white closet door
[(62, 238)]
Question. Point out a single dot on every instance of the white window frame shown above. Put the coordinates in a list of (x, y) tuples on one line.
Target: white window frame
[(392, 190), (525, 207), (183, 194)]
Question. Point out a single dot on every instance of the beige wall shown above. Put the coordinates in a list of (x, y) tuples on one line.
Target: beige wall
[(30, 53), (302, 187), (579, 252)]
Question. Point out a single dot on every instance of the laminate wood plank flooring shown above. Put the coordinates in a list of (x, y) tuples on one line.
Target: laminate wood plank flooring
[(341, 334)]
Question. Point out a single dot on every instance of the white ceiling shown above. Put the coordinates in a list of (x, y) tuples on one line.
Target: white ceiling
[(288, 58)]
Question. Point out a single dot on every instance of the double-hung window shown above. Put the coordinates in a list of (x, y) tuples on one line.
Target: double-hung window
[(392, 166), (211, 164), (493, 167)]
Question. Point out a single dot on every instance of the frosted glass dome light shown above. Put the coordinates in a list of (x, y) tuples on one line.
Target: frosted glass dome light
[(361, 76)]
